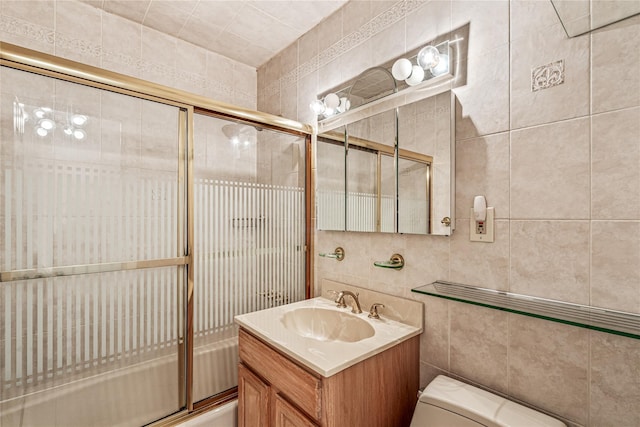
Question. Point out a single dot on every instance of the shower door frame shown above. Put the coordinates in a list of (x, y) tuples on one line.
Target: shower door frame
[(28, 60)]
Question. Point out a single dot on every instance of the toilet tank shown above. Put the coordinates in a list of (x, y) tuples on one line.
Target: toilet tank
[(447, 402)]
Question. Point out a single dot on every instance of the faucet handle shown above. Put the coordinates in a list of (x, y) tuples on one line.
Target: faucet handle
[(373, 311), (339, 298)]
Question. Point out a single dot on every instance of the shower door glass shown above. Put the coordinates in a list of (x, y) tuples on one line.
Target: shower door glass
[(249, 237), (89, 194)]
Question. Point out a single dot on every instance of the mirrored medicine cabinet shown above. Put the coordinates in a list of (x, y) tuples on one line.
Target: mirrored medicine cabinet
[(387, 164)]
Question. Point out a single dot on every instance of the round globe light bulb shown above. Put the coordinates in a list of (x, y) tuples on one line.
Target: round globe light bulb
[(47, 124), (416, 77), (79, 119), (79, 134), (345, 104), (401, 69), (332, 101), (317, 107), (42, 131), (442, 67), (428, 57)]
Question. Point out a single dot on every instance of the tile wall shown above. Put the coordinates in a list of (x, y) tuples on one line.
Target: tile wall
[(561, 167), (82, 33)]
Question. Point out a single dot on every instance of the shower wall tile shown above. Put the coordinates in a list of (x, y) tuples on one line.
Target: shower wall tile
[(483, 99), (479, 345), (78, 32), (615, 381), (480, 264), (615, 158), (354, 62), (548, 366), (550, 171), (564, 101), (24, 20), (330, 30), (615, 79), (482, 168), (550, 259), (159, 50), (615, 276), (122, 46), (428, 258)]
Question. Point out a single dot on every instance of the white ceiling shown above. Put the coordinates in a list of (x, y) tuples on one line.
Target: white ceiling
[(251, 32)]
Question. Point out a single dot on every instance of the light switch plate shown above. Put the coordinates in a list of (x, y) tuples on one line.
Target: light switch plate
[(488, 236)]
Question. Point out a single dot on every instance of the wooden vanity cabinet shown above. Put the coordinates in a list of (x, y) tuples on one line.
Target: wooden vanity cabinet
[(274, 390)]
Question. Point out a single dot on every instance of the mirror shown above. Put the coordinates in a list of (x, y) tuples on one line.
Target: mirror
[(358, 188), (398, 153), (581, 16), (330, 180)]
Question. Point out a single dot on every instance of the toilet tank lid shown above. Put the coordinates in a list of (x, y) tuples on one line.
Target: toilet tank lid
[(482, 406)]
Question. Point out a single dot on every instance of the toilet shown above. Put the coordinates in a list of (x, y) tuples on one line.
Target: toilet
[(450, 403)]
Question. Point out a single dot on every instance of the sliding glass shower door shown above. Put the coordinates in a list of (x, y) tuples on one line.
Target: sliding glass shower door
[(91, 255), (249, 236)]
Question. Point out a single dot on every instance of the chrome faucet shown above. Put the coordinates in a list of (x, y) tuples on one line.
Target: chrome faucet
[(355, 305)]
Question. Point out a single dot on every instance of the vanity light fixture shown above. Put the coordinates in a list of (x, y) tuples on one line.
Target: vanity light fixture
[(429, 59), (330, 105)]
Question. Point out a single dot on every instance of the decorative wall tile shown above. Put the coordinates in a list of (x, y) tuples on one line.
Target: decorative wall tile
[(546, 76)]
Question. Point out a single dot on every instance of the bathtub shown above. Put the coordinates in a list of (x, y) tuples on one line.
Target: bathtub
[(131, 396)]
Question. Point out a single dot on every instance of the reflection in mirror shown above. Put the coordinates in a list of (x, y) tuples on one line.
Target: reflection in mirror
[(413, 197), (425, 127), (330, 180), (370, 198), (581, 16), (362, 189)]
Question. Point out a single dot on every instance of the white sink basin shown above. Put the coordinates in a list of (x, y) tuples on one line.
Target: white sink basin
[(327, 325)]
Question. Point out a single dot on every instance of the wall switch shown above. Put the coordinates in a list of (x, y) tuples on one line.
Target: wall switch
[(482, 231)]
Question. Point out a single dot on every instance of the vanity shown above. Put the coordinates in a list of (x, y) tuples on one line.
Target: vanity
[(311, 363)]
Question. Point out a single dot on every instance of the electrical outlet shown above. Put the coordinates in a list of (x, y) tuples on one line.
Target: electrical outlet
[(482, 231)]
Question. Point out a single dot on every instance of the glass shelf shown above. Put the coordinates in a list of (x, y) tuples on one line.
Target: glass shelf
[(599, 319)]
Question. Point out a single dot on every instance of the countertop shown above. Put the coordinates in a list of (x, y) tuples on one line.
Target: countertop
[(324, 357)]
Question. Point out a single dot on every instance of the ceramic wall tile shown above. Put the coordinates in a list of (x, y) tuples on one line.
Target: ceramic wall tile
[(426, 259), (615, 255), (521, 12), (388, 43), (160, 50), (482, 168), (615, 78), (550, 259), (308, 46), (565, 94), (434, 342), (548, 366), (29, 24), (121, 48), (78, 32), (488, 23), (479, 344), (480, 264), (483, 98), (356, 60), (355, 15), (550, 171), (431, 20), (615, 192), (330, 30), (615, 381), (428, 373), (168, 17)]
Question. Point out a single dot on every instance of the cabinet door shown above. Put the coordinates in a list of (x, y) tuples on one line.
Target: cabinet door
[(253, 399), (288, 416)]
